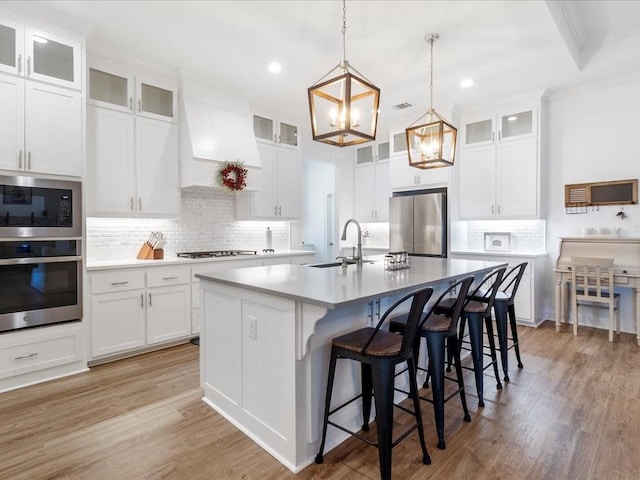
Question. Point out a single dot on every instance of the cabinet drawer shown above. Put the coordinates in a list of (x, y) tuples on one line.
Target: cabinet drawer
[(39, 353), (159, 278), (117, 280)]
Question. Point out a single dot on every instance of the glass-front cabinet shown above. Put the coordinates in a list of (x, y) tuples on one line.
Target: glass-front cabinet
[(116, 86), (272, 130), (501, 125), (40, 55), (11, 47)]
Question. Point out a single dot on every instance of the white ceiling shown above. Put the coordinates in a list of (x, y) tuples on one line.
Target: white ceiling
[(507, 47)]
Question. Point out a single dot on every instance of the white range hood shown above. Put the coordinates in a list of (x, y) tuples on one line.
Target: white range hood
[(210, 135)]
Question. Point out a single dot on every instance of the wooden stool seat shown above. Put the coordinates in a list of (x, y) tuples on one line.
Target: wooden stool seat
[(384, 344)]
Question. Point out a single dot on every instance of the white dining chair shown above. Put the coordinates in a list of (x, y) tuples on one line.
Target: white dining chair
[(592, 285)]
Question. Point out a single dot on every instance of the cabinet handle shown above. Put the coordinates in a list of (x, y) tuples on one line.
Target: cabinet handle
[(492, 210), (280, 210), (170, 278), (29, 160), (493, 136), (139, 105), (499, 135), (19, 63), (114, 284), (131, 103), (140, 203), (150, 303), (142, 300), (28, 355), (20, 159), (131, 203), (28, 66), (378, 308), (370, 315), (275, 210), (498, 209)]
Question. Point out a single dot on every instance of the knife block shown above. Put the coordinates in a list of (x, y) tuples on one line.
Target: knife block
[(145, 252)]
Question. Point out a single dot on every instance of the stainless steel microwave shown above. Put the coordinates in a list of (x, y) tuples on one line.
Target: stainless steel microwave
[(38, 207)]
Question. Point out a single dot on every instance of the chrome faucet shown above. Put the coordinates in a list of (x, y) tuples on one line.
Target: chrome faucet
[(357, 258)]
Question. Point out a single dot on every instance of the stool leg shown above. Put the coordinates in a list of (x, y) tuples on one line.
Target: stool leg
[(327, 405), (452, 345), (435, 348), (367, 389), (514, 333), (475, 334), (500, 308), (416, 408), (492, 350), (383, 379)]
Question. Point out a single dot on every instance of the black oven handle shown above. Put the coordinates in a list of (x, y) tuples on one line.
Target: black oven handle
[(33, 260)]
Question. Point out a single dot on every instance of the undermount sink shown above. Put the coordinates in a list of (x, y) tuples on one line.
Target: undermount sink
[(336, 264)]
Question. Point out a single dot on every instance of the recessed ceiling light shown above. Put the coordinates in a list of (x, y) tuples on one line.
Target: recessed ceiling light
[(466, 83), (275, 67)]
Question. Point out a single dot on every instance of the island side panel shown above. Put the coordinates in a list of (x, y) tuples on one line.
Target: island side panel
[(249, 365)]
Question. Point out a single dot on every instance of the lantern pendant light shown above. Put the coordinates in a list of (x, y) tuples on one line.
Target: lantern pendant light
[(431, 143), (344, 109)]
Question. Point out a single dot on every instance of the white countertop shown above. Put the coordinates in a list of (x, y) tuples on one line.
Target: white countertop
[(172, 259), (498, 254), (335, 287)]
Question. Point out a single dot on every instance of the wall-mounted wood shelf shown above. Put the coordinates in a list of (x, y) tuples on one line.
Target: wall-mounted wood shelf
[(619, 192)]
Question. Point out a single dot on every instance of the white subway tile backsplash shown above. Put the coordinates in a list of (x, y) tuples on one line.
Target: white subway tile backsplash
[(527, 236), (207, 223)]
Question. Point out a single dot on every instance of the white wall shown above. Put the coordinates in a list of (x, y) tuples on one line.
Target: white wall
[(593, 136)]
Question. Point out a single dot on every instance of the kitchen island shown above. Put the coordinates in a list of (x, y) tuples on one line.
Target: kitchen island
[(266, 337)]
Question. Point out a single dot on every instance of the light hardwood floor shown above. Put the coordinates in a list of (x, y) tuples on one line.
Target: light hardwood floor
[(573, 412)]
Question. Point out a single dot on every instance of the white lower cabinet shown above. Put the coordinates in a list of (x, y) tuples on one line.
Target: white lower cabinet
[(528, 304), (168, 311), (40, 354), (133, 308)]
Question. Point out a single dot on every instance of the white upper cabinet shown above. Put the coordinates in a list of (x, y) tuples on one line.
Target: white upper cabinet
[(273, 130), (43, 55), (372, 189), (278, 184), (132, 142), (11, 46), (41, 123), (53, 130), (122, 87), (499, 166), (53, 58), (502, 124)]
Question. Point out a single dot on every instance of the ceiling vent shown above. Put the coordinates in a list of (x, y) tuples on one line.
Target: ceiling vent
[(402, 106)]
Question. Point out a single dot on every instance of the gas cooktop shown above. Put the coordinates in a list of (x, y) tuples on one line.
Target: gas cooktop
[(216, 253)]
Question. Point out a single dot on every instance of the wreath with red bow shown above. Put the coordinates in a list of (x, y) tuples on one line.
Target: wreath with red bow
[(233, 175)]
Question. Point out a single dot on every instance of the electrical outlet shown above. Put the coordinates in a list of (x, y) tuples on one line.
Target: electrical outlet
[(253, 327)]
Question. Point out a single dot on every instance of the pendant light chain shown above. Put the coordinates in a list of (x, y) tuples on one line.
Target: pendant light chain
[(431, 40), (344, 31)]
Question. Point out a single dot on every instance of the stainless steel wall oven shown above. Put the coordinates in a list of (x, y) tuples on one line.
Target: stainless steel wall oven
[(40, 252)]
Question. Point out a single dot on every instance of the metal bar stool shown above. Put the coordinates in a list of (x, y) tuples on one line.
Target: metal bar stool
[(503, 306), (378, 352), (477, 311), (436, 330)]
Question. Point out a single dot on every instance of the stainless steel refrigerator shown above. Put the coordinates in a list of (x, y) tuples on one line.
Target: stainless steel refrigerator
[(418, 222)]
